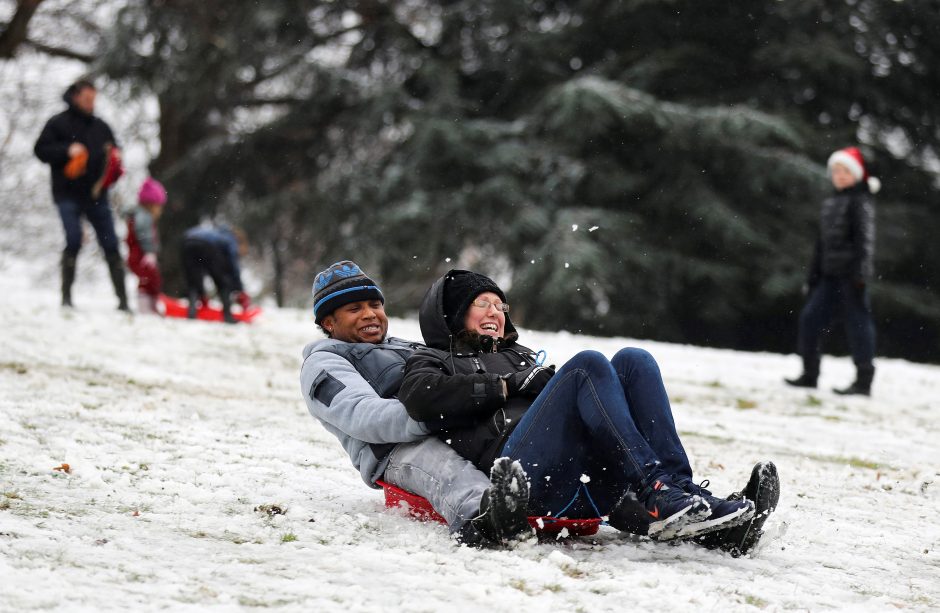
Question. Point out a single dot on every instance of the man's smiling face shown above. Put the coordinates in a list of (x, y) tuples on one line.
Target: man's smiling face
[(358, 322)]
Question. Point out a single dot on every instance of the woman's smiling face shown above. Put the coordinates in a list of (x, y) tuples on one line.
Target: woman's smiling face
[(485, 315)]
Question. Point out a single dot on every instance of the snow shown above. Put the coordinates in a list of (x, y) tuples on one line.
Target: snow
[(199, 482)]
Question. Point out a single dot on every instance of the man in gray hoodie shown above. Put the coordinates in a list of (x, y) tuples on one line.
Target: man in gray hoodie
[(350, 382)]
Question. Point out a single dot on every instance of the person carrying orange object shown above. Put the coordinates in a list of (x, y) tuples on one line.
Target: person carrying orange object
[(84, 159)]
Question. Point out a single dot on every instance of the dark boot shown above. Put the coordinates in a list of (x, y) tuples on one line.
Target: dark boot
[(764, 490), (227, 308), (192, 311), (503, 508), (68, 277), (862, 385), (116, 268), (809, 376)]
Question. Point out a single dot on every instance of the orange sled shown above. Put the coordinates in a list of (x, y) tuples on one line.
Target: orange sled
[(420, 509), (178, 308)]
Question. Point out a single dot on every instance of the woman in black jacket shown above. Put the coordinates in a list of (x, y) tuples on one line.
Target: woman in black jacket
[(597, 438)]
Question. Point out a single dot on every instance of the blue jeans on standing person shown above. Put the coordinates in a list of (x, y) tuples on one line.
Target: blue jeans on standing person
[(599, 428), (99, 216), (829, 294)]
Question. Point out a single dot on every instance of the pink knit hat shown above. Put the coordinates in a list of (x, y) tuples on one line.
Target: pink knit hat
[(151, 192)]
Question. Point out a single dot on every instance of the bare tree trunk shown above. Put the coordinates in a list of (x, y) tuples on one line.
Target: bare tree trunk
[(15, 33)]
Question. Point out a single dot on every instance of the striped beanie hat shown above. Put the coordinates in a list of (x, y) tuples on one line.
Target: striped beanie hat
[(340, 284)]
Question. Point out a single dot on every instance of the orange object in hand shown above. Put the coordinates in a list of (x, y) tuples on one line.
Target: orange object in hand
[(75, 167)]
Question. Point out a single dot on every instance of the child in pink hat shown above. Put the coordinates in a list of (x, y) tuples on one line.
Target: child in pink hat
[(143, 242)]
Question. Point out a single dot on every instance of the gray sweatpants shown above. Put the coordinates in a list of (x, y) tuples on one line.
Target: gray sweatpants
[(431, 469)]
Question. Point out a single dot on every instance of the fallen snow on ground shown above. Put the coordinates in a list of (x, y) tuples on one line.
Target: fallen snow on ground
[(184, 440)]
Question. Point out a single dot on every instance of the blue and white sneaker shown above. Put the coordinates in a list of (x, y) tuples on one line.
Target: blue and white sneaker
[(722, 514), (667, 507)]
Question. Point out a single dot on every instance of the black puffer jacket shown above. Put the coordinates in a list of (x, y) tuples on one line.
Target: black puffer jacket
[(453, 385), (846, 243), (52, 146)]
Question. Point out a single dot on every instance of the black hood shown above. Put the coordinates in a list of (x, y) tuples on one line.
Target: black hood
[(433, 323)]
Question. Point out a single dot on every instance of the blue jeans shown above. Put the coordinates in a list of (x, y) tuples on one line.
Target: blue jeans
[(98, 214), (831, 293), (598, 429)]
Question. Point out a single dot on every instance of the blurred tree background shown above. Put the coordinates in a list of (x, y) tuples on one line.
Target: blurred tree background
[(636, 168)]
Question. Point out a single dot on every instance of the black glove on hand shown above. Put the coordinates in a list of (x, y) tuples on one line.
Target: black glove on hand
[(529, 382)]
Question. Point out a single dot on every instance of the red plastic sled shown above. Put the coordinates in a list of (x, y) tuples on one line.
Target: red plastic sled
[(177, 308), (421, 509)]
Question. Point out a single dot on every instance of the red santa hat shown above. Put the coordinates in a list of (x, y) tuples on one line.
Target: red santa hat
[(851, 158)]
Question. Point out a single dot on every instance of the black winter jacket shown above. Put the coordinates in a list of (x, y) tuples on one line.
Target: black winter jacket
[(74, 126), (846, 243), (453, 385)]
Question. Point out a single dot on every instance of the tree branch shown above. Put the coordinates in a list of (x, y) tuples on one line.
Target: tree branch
[(60, 51)]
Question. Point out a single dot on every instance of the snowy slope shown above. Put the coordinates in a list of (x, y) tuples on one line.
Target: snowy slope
[(178, 433)]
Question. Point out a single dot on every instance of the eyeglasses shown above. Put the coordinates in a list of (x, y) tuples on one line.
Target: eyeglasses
[(486, 304)]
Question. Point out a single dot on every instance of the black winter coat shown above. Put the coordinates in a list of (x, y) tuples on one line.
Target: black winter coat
[(74, 126), (846, 243), (453, 385)]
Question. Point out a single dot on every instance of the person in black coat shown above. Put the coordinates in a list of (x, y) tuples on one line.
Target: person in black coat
[(840, 273), (84, 159), (596, 439)]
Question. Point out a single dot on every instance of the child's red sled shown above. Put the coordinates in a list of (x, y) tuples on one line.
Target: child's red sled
[(177, 308), (421, 509)]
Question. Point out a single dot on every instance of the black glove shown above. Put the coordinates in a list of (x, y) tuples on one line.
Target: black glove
[(528, 383)]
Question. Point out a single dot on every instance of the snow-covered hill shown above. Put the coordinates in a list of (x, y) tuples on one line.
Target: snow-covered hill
[(182, 438)]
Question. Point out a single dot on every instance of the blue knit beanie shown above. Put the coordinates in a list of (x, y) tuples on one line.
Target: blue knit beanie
[(340, 284)]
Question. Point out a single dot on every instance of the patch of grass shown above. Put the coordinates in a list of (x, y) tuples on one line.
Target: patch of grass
[(247, 601), (813, 401), (744, 404), (13, 495), (710, 437), (572, 571), (716, 383), (853, 462), (832, 418), (754, 601), (290, 537), (17, 367)]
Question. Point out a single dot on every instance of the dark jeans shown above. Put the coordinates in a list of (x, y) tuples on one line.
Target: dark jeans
[(201, 258), (598, 429), (97, 213), (829, 294)]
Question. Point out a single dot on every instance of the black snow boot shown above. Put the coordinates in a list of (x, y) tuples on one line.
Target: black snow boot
[(116, 268), (808, 377), (763, 489), (862, 384), (193, 309), (503, 514), (68, 277), (227, 308), (630, 515)]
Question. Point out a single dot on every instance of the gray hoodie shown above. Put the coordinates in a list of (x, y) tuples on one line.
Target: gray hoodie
[(367, 425)]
